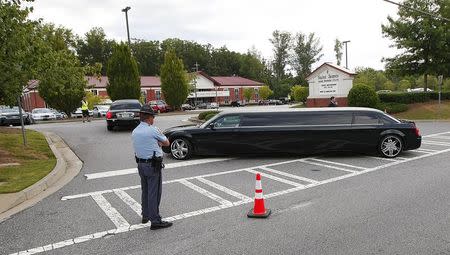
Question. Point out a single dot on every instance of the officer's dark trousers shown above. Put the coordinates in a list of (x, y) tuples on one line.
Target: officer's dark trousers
[(151, 185)]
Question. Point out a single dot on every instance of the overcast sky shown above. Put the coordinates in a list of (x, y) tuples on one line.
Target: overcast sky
[(237, 24)]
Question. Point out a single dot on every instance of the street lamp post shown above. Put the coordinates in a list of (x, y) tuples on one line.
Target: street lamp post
[(126, 9), (346, 62)]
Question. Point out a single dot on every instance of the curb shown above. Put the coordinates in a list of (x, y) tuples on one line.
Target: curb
[(195, 120), (68, 165)]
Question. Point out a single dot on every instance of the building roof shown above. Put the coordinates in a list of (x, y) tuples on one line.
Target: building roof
[(339, 68), (100, 82)]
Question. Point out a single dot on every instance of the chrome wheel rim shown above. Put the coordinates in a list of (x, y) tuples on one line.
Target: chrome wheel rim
[(391, 146), (179, 148)]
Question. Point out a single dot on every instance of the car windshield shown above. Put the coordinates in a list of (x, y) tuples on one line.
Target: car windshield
[(41, 111), (9, 110), (122, 106)]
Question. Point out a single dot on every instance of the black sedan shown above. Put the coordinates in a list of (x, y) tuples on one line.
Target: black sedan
[(123, 113), (11, 116), (300, 131)]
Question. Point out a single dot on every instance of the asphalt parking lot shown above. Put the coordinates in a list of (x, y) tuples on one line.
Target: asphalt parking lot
[(322, 204)]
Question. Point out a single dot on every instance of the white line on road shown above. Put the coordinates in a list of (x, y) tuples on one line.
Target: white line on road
[(275, 178), (110, 211), (212, 209), (168, 166), (327, 166), (429, 150), (441, 137), (436, 143), (127, 199), (437, 134), (205, 192), (301, 178), (339, 164), (224, 189)]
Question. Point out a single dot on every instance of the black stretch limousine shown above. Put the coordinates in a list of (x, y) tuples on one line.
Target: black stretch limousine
[(301, 131)]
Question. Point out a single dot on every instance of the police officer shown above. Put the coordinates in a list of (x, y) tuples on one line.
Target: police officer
[(147, 142), (85, 110)]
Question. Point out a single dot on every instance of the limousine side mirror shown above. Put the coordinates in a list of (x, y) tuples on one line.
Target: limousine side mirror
[(212, 125)]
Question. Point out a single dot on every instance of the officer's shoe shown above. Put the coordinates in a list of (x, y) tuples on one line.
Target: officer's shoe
[(144, 220), (161, 224)]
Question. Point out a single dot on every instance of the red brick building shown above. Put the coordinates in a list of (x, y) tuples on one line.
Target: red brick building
[(220, 89)]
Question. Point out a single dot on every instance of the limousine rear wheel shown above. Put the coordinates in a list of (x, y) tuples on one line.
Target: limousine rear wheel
[(181, 148), (390, 146)]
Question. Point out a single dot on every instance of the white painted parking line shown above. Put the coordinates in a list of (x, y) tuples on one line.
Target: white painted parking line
[(436, 143), (441, 137), (301, 178), (127, 199), (437, 134), (337, 163), (429, 150), (307, 161), (101, 234), (110, 211), (295, 184), (224, 189), (168, 166), (204, 192), (386, 159)]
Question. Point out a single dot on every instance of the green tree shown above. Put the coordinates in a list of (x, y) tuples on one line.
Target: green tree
[(281, 42), (404, 84), (16, 50), (251, 66), (281, 90), (432, 82), (224, 62), (174, 80), (148, 56), (363, 96), (338, 51), (370, 77), (299, 93), (190, 52), (92, 100), (61, 80), (265, 92), (389, 85), (248, 93), (123, 76), (306, 52), (422, 38), (94, 48), (56, 37)]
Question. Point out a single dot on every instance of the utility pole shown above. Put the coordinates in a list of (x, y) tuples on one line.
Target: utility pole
[(126, 9), (195, 84), (346, 61)]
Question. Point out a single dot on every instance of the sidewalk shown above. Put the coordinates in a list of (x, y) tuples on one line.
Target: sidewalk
[(68, 165)]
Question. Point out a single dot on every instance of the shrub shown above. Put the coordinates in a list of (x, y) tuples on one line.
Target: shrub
[(393, 107), (405, 97), (363, 96), (202, 115), (209, 116)]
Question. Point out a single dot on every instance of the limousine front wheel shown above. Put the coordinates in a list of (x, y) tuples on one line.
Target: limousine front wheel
[(181, 148), (391, 146)]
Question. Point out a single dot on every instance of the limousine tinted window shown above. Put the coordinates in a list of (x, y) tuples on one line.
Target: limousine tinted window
[(366, 119), (228, 121), (297, 119)]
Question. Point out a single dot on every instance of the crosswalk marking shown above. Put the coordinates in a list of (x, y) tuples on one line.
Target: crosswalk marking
[(276, 178), (127, 199), (205, 192), (301, 178), (328, 166), (110, 211), (224, 189)]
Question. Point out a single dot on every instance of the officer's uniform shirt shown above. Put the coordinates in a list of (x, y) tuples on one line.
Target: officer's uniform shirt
[(145, 141)]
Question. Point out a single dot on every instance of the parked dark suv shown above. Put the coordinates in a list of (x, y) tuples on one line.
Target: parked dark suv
[(123, 113)]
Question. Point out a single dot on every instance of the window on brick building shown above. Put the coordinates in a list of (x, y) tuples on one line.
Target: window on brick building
[(158, 94)]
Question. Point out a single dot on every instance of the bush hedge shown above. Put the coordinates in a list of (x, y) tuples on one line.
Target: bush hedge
[(393, 107), (412, 97), (202, 115), (209, 116), (363, 96)]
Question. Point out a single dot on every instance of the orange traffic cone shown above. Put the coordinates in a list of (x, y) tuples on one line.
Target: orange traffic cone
[(258, 211)]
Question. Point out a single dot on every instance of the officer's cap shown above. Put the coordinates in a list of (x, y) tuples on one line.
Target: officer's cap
[(147, 109)]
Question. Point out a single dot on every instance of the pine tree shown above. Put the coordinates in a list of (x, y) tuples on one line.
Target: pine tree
[(123, 76), (174, 80)]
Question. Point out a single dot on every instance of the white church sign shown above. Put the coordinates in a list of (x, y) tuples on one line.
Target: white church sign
[(326, 81)]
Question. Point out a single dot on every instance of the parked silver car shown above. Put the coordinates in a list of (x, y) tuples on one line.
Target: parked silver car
[(43, 114)]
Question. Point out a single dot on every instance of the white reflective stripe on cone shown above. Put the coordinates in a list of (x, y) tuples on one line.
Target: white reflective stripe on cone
[(258, 185), (259, 195)]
